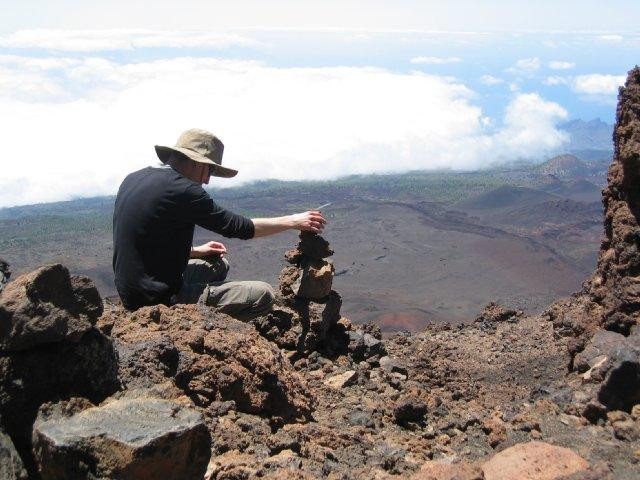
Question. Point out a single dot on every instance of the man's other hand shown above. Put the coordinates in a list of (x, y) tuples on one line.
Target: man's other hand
[(311, 221), (208, 249)]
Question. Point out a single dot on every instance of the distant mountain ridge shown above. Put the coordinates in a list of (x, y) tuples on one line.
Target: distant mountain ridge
[(592, 135)]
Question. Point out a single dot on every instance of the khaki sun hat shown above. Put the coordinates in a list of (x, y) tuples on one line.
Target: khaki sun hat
[(199, 146)]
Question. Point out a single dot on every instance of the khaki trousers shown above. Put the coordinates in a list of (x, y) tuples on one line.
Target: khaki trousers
[(204, 282)]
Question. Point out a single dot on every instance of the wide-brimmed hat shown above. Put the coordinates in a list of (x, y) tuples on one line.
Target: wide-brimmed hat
[(200, 146)]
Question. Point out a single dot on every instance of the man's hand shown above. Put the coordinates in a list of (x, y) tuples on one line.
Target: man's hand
[(208, 249), (311, 221)]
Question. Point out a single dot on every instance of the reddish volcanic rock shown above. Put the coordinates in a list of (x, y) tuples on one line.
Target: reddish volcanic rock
[(534, 461), (210, 356), (436, 470)]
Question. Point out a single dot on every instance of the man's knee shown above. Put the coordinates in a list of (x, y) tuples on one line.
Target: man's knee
[(206, 270), (244, 300), (265, 295)]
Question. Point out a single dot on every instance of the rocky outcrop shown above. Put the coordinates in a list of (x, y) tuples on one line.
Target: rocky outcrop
[(615, 285), (610, 299), (210, 356), (134, 438)]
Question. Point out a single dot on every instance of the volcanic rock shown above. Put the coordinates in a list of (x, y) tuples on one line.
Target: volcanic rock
[(139, 438), (611, 297), (409, 409), (363, 346), (312, 246), (342, 380), (208, 355), (52, 351), (438, 470), (494, 313), (45, 306), (600, 347), (310, 276), (611, 378), (534, 461), (391, 365), (5, 273), (11, 466)]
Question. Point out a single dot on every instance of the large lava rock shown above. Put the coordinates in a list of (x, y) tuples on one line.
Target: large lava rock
[(534, 461), (47, 305), (610, 366), (11, 466), (208, 355), (128, 438), (50, 350)]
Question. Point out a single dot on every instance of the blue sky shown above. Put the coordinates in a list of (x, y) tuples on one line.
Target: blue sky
[(298, 89)]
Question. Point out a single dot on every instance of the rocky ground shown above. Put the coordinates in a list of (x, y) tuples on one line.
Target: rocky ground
[(89, 390)]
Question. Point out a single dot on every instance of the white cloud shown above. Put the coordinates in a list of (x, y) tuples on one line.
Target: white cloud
[(561, 65), (491, 80), (435, 60), (597, 84), (530, 119), (121, 39), (98, 120), (525, 66)]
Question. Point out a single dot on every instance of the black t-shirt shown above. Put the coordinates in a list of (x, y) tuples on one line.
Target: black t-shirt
[(155, 213)]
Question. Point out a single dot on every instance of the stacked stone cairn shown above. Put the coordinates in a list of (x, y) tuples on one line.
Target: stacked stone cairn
[(307, 316)]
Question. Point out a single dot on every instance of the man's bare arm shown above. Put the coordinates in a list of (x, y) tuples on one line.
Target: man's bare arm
[(311, 221)]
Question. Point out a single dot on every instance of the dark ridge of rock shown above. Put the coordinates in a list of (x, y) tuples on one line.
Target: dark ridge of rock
[(133, 438), (47, 306), (11, 466), (5, 273), (210, 356)]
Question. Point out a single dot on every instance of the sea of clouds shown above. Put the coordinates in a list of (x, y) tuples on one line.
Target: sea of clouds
[(74, 125)]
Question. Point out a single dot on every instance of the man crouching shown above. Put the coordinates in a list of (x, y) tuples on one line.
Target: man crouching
[(155, 214)]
